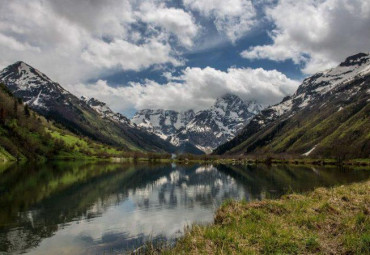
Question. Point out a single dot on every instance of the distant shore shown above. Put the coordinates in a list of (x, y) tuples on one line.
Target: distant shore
[(205, 159)]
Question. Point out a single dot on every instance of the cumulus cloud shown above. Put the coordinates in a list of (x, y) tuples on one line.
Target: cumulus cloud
[(175, 21), (75, 41), (316, 33), (127, 55), (233, 17), (109, 18), (78, 41), (195, 88)]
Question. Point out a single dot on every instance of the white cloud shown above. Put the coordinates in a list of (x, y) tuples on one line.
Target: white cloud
[(13, 44), (75, 41), (31, 25), (128, 56), (195, 89), (316, 33), (109, 18), (175, 21), (234, 17)]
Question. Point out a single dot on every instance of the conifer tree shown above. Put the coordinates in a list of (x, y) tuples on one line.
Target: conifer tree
[(15, 108), (27, 111), (2, 115)]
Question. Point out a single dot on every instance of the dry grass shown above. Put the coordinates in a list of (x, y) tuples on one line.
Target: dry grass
[(325, 221)]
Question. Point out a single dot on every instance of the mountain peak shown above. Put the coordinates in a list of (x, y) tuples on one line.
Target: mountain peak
[(24, 74), (22, 66), (205, 129), (228, 100), (329, 80), (357, 59), (322, 98), (95, 102), (20, 62)]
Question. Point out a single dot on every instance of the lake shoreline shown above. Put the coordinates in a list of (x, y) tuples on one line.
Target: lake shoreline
[(145, 201), (327, 220), (233, 161)]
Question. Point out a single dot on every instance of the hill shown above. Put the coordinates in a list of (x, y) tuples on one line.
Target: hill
[(24, 134), (328, 116), (80, 116)]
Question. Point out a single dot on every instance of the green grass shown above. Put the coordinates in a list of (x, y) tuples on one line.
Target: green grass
[(68, 139), (5, 156), (325, 221), (80, 147), (30, 136), (335, 133)]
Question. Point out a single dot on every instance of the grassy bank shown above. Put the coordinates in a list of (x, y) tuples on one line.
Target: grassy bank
[(325, 221), (266, 159), (5, 156)]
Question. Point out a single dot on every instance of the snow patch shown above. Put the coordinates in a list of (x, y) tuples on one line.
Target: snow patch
[(310, 151)]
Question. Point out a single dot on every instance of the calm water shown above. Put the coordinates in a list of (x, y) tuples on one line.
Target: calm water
[(89, 208)]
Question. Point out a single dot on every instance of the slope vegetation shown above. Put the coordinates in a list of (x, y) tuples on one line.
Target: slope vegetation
[(52, 101), (328, 116), (26, 135)]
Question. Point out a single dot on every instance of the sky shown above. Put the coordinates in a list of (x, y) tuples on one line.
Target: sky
[(181, 54)]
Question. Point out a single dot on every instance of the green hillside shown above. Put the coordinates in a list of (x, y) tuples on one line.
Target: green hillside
[(333, 133), (101, 124), (26, 135), (328, 117)]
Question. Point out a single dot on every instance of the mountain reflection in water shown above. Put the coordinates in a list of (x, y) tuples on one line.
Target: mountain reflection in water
[(95, 208)]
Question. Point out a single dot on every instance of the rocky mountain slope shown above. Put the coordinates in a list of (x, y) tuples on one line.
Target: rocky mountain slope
[(90, 118), (205, 129), (164, 123), (24, 134), (105, 112), (327, 116)]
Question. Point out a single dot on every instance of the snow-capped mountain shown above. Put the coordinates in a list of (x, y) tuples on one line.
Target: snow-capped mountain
[(164, 123), (205, 129), (35, 88), (315, 87), (326, 92), (41, 93), (88, 117), (105, 112)]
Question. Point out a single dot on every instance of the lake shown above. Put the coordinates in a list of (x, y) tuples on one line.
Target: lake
[(111, 208)]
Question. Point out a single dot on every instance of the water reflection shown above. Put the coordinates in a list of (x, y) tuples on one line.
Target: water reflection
[(86, 208)]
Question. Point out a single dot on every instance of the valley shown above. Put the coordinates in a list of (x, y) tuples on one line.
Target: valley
[(328, 110), (184, 127)]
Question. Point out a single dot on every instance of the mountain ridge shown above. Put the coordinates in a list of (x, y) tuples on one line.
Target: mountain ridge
[(51, 100), (317, 109), (205, 129)]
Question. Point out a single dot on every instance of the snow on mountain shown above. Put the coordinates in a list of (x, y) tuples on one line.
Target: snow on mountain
[(315, 87), (26, 76), (88, 117), (343, 82), (164, 123), (105, 112), (34, 87), (43, 94), (205, 129)]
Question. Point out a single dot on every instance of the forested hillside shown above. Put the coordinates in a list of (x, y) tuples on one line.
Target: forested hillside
[(26, 135), (51, 100)]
